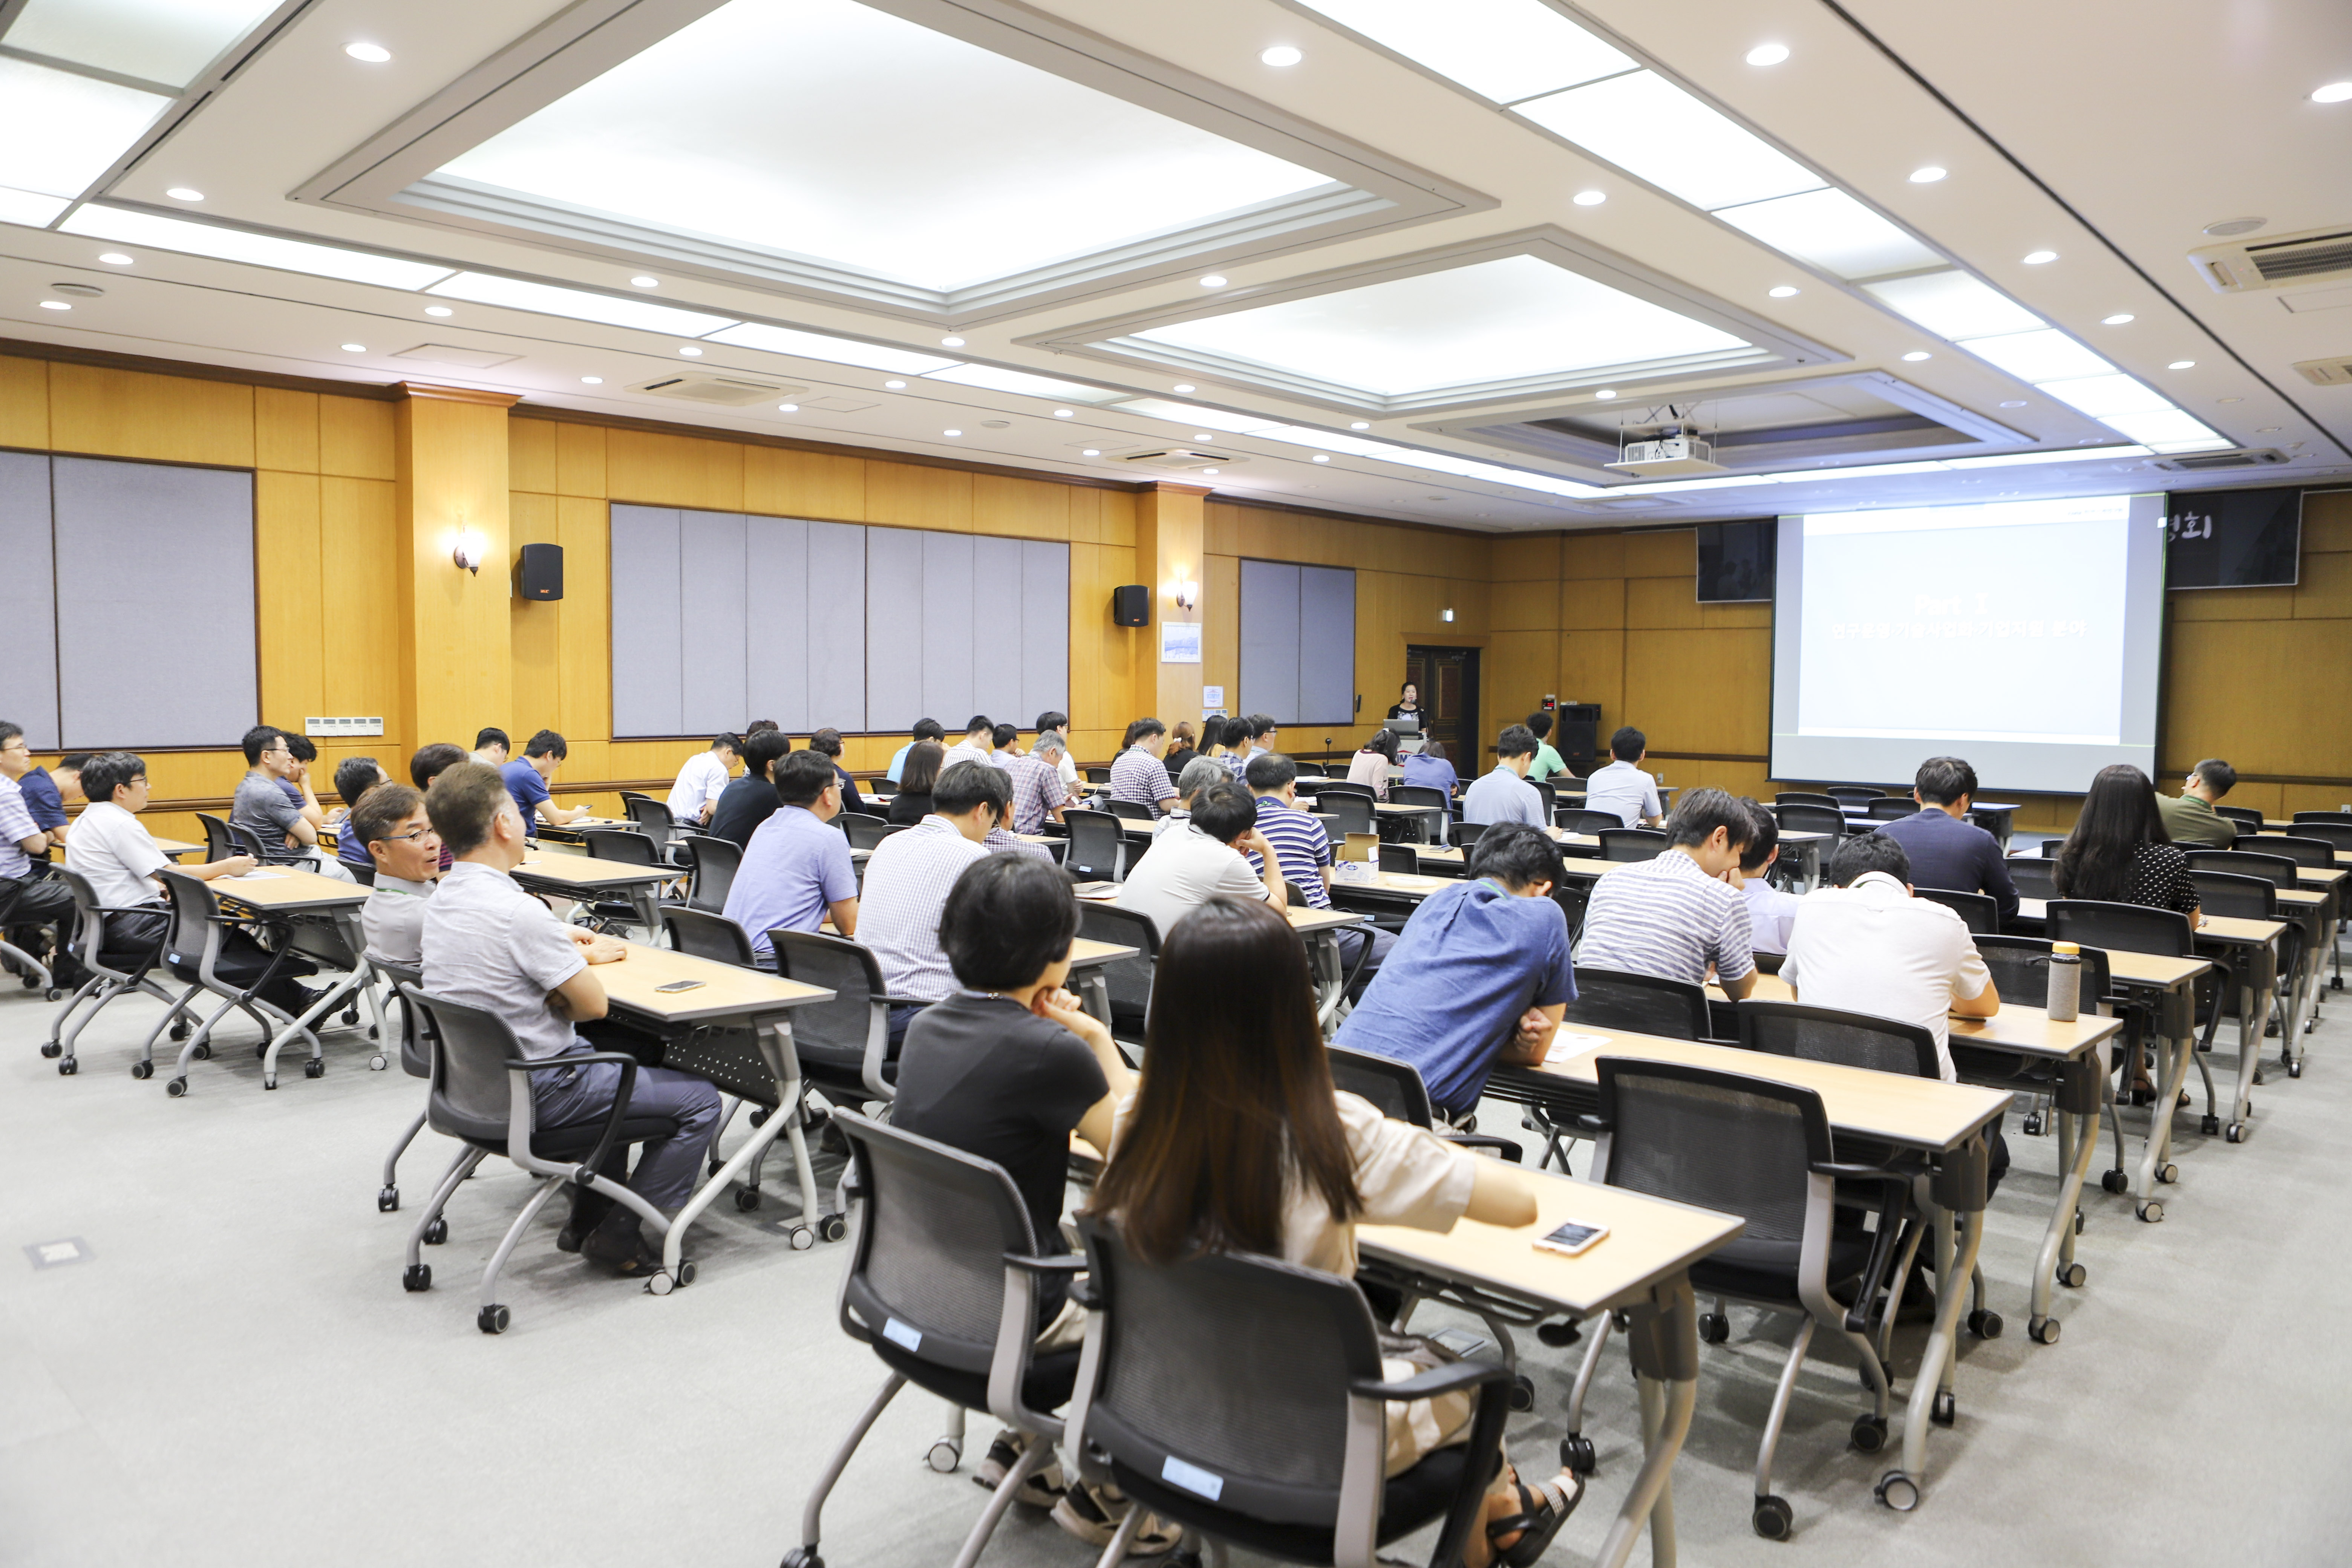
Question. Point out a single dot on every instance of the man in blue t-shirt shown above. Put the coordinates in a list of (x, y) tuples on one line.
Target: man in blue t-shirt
[(527, 781), (1479, 976)]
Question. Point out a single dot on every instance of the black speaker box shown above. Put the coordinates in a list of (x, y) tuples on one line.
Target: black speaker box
[(538, 574), (1131, 605)]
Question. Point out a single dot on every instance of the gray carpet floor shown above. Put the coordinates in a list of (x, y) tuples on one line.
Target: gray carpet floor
[(227, 1371)]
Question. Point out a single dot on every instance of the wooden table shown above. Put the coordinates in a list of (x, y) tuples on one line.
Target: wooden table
[(173, 849), (1576, 868), (1088, 959), (1641, 1267), (569, 832), (1321, 928), (585, 879), (281, 894)]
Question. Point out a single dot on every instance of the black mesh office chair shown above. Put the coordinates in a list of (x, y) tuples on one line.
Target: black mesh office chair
[(1544, 787), (416, 1061), (2235, 896), (1339, 786), (220, 844), (699, 933), (2033, 876), (2019, 967), (1435, 801), (113, 971), (713, 862), (1810, 816), (1577, 819), (1098, 851), (1759, 1150), (1401, 857), (1631, 843), (652, 817), (1397, 1093), (1248, 1437), (1980, 910), (2332, 826), (1848, 794), (1849, 1039), (481, 1096), (195, 952), (1891, 808), (1128, 979), (1821, 798), (2239, 814), (1465, 835), (2133, 928), (844, 1045), (944, 1282), (1354, 811), (1098, 775), (2316, 853), (1129, 810), (1639, 1004), (625, 846)]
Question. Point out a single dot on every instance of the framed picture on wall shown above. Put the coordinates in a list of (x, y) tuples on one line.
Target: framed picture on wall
[(1180, 642)]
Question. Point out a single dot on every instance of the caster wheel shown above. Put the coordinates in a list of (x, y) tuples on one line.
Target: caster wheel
[(2042, 1330), (660, 1284), (2294, 1068), (1772, 1518), (260, 1051), (686, 1271), (142, 1070), (1945, 1411), (803, 1557), (2152, 1211), (2234, 1133), (204, 1053), (2071, 1275), (53, 1050), (180, 1031), (270, 1081), (492, 1320), (416, 1277), (1984, 1324), (2168, 1174), (832, 1227), (1523, 1393), (944, 1455), (1558, 1334), (1713, 1328), (54, 993), (2336, 983), (747, 1198), (67, 1067), (377, 1064), (315, 1068), (2208, 1125), (351, 1018), (760, 1117), (437, 1232), (1869, 1432), (388, 1201), (1897, 1491), (2031, 1126), (1576, 1455), (2078, 1221), (176, 1088), (801, 1239), (2115, 1181)]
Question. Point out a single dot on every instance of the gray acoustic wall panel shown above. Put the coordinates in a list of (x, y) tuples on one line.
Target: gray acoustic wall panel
[(29, 674), (1045, 630), (775, 594), (894, 629), (837, 617), (950, 619), (649, 662), (1269, 661), (996, 651), (1326, 646), (136, 545), (712, 621)]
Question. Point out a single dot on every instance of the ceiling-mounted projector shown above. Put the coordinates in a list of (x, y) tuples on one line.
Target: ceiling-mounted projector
[(1668, 457)]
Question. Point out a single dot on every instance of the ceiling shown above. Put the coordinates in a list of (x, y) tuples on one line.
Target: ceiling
[(1366, 255)]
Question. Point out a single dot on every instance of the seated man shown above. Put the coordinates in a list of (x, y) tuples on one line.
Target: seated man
[(45, 792), (1505, 794), (925, 730), (1479, 976), (1622, 787), (978, 743), (2190, 817), (1429, 768), (490, 747), (1945, 849), (703, 780), (1057, 724), (751, 799), (1199, 775), (30, 898), (907, 880), (526, 781), (1208, 855), (797, 869), (1137, 773), (1675, 916), (429, 763), (1770, 910), (119, 861), (1038, 792), (1547, 761), (354, 776), (1304, 851), (275, 802), (391, 823), (1004, 743), (490, 944)]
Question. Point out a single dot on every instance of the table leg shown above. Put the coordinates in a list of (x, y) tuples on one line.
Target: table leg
[(1663, 1335), (784, 1065), (1931, 1389), (2155, 1158), (642, 896), (1094, 987), (355, 935), (2078, 1141), (2251, 1008), (1323, 955)]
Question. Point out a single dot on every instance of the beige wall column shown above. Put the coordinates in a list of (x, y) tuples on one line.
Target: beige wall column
[(450, 465), (1171, 530)]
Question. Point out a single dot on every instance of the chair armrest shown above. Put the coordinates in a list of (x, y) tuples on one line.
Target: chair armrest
[(902, 1002), (1452, 1375), (594, 1163), (1085, 1292), (570, 1060), (1839, 1170), (1059, 1263), (1502, 1146), (1592, 1126)]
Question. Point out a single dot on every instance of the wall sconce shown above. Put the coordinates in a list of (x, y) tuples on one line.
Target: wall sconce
[(1445, 615), (1187, 594), (469, 549)]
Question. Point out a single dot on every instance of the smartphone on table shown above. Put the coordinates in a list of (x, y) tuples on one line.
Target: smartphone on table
[(1572, 1237)]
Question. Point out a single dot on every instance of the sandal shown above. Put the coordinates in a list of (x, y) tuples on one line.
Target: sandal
[(1543, 1508)]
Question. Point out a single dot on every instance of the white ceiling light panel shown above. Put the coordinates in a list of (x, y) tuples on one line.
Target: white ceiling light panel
[(166, 41), (254, 249), (1022, 382), (1651, 128), (1503, 51), (831, 350), (30, 208), (2103, 395), (59, 132), (1322, 440), (1204, 418), (1956, 306), (1833, 231), (486, 288), (2046, 355), (2166, 430)]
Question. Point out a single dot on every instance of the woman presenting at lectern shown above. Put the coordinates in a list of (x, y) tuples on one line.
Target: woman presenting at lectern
[(1408, 703)]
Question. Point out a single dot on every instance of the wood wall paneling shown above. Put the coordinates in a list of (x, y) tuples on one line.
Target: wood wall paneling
[(673, 470), (24, 403), (780, 483), (286, 429), (901, 495), (130, 413)]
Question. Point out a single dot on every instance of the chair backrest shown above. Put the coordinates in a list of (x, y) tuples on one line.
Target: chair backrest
[(1849, 1039), (1577, 819), (220, 844), (2019, 967), (1098, 775), (1394, 1088), (1851, 795), (625, 845), (1979, 911), (471, 1097), (2239, 814), (1310, 770), (1720, 1140), (866, 830), (1812, 798), (88, 935), (1891, 808), (1129, 979), (2230, 894), (833, 1036), (2316, 853), (1401, 858), (2033, 876), (415, 1025), (1096, 843), (1334, 787), (714, 861), (1805, 816), (651, 816), (1544, 787), (703, 934), (2333, 830), (1264, 1411), (1354, 811), (193, 909), (2133, 928), (1641, 1004), (929, 1274), (1418, 795), (2049, 848), (1132, 810), (1465, 834), (1631, 843), (2276, 869)]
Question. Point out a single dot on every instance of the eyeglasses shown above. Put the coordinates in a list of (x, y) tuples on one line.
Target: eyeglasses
[(409, 838)]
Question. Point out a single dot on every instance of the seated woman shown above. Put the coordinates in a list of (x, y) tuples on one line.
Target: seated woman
[(1182, 748), (1235, 1141), (913, 801), (1371, 765), (2119, 853)]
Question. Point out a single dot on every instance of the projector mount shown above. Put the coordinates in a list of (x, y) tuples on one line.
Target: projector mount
[(1664, 442)]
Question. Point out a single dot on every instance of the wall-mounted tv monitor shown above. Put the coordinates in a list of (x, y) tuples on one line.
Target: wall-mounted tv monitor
[(2232, 538)]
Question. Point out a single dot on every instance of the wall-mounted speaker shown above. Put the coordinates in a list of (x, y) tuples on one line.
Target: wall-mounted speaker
[(1130, 606), (538, 573)]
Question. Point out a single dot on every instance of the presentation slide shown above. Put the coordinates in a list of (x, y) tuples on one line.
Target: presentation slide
[(2023, 636)]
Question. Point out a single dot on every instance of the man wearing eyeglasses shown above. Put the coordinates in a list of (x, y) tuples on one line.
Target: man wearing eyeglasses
[(30, 898), (390, 821)]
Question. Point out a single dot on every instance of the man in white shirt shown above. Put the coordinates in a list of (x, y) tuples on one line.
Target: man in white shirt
[(1622, 787), (1055, 723), (1770, 911), (1192, 863), (489, 945), (703, 780), (391, 822), (1505, 794), (978, 745), (910, 877), (490, 747)]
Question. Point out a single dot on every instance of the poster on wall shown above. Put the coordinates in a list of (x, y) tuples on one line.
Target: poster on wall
[(1180, 642)]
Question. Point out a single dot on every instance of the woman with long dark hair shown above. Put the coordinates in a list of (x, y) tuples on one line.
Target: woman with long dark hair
[(1237, 1140), (913, 801), (2119, 852), (1371, 764)]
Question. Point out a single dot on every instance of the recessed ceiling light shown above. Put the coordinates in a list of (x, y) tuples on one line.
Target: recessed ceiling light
[(1360, 424), (1768, 54), (373, 54), (2117, 320), (1605, 392), (1209, 472), (355, 348), (1091, 452), (591, 381), (439, 310), (55, 305), (2182, 364), (1213, 280), (2334, 92), (642, 281), (185, 194), (951, 432), (2012, 402), (1916, 355), (2039, 257), (2234, 225), (1926, 176), (996, 424), (1183, 386), (1202, 436), (1283, 55), (115, 259), (689, 351), (2269, 429), (1590, 198), (1785, 291), (788, 408), (2229, 400), (1320, 457), (950, 342), (894, 387), (1066, 413)]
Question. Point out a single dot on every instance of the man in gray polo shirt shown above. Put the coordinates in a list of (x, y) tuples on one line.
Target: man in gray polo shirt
[(1505, 794), (289, 832), (490, 944)]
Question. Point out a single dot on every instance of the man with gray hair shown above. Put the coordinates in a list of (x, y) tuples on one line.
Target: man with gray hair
[(1036, 780), (1198, 774)]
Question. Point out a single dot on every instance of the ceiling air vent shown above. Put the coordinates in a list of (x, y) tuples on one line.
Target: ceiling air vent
[(728, 391), (2275, 263), (2326, 372), (2201, 462), (1181, 459)]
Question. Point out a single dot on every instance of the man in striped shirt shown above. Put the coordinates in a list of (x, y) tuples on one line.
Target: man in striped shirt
[(1676, 916), (1303, 849), (1139, 775)]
